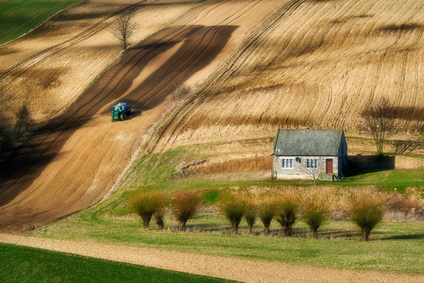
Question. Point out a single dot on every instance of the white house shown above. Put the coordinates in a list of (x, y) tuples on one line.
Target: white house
[(316, 154)]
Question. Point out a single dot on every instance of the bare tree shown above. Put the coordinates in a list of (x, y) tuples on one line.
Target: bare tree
[(313, 166), (380, 122), (124, 28)]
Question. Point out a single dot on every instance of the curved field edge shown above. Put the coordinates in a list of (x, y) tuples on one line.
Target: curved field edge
[(20, 263), (19, 18)]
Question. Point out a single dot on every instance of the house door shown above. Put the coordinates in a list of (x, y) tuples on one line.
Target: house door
[(329, 166)]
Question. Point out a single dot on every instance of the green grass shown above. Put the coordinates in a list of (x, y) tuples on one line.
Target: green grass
[(388, 180), (21, 16), (393, 246), (158, 171), (23, 264)]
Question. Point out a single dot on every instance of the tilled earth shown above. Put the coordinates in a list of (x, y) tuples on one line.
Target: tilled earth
[(77, 157)]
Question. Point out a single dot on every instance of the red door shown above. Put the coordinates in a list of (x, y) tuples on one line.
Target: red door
[(329, 166)]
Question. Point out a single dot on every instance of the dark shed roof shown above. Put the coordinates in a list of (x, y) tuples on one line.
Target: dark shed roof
[(307, 142)]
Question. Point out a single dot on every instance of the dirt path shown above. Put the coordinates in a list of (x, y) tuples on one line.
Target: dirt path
[(216, 266), (75, 160)]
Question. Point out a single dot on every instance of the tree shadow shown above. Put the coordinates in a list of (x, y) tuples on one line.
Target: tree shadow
[(406, 237), (199, 46)]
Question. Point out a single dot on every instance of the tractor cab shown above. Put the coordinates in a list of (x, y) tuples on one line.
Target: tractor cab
[(120, 111)]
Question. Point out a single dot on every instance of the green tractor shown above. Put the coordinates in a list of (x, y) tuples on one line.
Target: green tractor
[(120, 111)]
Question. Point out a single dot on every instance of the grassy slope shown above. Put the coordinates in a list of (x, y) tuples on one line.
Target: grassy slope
[(19, 17), (338, 246), (35, 265)]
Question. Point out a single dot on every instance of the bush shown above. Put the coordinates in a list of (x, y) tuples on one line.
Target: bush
[(315, 212), (145, 204), (250, 213), (185, 206), (266, 212), (366, 211), (287, 208), (233, 207), (160, 215)]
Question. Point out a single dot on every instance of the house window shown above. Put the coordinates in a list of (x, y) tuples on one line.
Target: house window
[(287, 163), (311, 163)]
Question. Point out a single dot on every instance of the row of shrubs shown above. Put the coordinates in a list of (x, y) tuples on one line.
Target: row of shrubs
[(365, 210)]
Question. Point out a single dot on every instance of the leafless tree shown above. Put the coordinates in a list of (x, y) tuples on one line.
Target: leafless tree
[(124, 28), (313, 166), (380, 122)]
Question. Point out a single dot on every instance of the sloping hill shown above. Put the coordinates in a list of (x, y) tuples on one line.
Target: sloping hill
[(316, 64), (74, 161)]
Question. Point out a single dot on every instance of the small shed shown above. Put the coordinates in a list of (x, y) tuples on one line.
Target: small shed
[(317, 154)]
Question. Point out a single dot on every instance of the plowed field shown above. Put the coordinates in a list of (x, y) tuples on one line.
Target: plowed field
[(76, 158), (315, 64)]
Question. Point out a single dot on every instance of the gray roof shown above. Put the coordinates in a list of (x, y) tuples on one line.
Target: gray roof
[(307, 142)]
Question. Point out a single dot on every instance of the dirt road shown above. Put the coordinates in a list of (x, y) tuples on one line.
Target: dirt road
[(76, 159), (244, 270)]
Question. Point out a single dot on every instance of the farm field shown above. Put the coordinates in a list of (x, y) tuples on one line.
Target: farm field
[(210, 83), (76, 159), (312, 64), (20, 18)]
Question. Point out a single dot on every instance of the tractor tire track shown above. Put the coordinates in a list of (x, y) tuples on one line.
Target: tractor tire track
[(74, 161)]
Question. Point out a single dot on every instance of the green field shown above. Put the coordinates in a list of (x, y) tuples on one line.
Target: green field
[(394, 246), (23, 264), (18, 17)]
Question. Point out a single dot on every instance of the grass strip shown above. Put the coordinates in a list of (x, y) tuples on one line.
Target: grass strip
[(20, 17), (24, 264)]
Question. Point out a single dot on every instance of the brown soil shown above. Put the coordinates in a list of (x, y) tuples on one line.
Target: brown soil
[(77, 157), (243, 270), (315, 64)]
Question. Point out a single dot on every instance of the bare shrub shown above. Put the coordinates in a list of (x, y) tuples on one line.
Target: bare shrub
[(146, 204), (313, 166), (287, 209), (266, 211), (315, 212), (250, 213), (407, 207), (233, 207), (366, 211), (180, 92), (185, 206)]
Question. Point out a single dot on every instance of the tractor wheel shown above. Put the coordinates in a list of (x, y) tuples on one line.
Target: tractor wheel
[(122, 117), (113, 120)]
